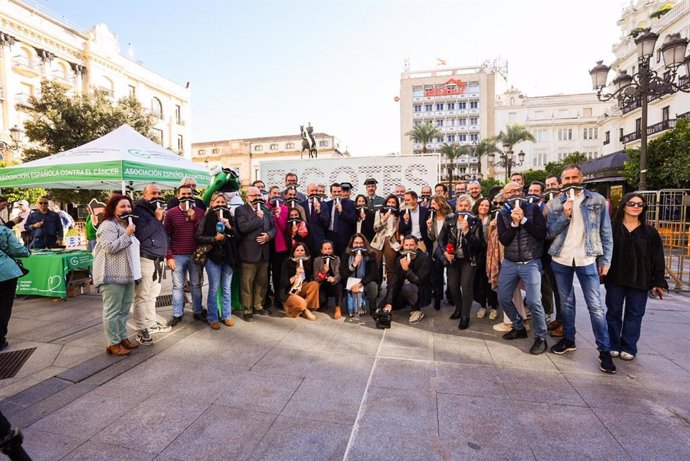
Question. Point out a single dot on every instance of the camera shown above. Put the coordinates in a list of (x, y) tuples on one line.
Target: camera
[(383, 319)]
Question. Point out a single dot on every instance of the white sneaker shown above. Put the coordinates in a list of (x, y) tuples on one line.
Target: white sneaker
[(481, 313), (615, 353), (503, 327), (416, 316), (626, 356), (493, 315), (159, 328)]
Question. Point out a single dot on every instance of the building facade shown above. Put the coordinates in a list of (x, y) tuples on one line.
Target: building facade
[(246, 154), (620, 127), (459, 102), (36, 46), (561, 124)]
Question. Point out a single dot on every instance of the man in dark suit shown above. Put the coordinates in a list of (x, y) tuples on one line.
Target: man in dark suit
[(413, 221), (318, 218), (343, 218), (255, 226)]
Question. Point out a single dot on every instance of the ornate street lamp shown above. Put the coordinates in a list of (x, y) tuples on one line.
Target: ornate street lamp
[(507, 160), (631, 90), (16, 136)]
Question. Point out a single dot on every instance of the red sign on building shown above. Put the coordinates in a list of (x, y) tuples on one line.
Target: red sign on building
[(451, 87)]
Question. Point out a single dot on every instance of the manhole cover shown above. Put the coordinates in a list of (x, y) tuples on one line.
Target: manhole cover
[(12, 362)]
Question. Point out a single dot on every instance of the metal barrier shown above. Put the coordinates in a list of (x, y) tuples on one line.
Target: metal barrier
[(667, 211)]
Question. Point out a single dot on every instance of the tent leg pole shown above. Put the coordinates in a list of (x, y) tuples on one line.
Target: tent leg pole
[(124, 188)]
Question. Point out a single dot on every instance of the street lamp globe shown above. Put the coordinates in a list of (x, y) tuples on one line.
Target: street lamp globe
[(521, 156), (645, 44), (16, 135), (673, 50), (491, 157), (622, 80), (599, 73), (687, 65), (509, 155)]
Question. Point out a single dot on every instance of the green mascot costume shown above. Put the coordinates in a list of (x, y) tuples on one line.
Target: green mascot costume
[(226, 180)]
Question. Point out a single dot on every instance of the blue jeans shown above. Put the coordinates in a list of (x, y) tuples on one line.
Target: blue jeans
[(624, 331), (530, 274), (589, 281), (219, 276), (184, 264)]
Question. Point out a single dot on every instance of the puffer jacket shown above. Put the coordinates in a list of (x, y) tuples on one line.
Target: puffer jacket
[(112, 263), (525, 241), (598, 235)]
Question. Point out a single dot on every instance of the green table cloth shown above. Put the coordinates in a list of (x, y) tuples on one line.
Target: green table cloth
[(50, 271)]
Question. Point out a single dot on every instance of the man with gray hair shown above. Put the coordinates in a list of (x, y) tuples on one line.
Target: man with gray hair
[(153, 243), (318, 217), (254, 223)]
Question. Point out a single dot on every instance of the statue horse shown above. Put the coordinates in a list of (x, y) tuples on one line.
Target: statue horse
[(308, 141)]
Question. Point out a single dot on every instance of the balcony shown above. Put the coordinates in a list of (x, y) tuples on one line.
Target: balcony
[(27, 67), (607, 142), (22, 100), (651, 129), (630, 107)]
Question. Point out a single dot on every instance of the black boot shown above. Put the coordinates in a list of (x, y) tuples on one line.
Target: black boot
[(437, 303), (457, 314), (464, 323)]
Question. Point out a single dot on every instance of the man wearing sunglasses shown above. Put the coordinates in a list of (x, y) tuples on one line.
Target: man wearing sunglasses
[(45, 226), (579, 224)]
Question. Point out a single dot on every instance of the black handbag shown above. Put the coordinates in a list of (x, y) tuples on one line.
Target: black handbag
[(21, 267), (201, 254)]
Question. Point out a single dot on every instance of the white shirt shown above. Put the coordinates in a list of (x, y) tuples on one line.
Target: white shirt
[(573, 249), (414, 220)]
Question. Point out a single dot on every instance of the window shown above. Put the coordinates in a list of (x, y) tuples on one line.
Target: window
[(542, 135), (180, 143), (638, 125), (428, 107), (417, 107), (462, 122), (132, 91), (607, 137), (201, 152), (474, 104), (474, 121), (665, 113), (658, 55), (290, 145), (158, 135), (439, 122), (620, 131), (157, 108), (451, 106), (258, 148), (539, 158), (474, 137), (590, 133), (451, 138), (462, 105), (215, 150), (587, 112), (565, 134), (439, 106), (178, 114), (323, 143), (273, 146), (462, 137), (512, 117)]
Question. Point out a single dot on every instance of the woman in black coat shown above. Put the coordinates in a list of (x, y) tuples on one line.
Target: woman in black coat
[(359, 261), (637, 268), (365, 218)]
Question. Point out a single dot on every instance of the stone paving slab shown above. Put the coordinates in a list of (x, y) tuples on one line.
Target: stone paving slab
[(281, 388)]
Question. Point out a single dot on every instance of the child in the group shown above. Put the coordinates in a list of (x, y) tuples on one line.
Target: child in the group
[(327, 273)]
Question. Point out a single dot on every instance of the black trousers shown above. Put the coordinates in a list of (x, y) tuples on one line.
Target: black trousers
[(327, 289), (461, 284), (7, 289)]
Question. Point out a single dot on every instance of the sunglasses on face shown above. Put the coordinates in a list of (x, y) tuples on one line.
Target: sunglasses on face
[(635, 204)]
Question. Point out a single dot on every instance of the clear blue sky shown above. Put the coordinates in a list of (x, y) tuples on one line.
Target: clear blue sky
[(262, 68)]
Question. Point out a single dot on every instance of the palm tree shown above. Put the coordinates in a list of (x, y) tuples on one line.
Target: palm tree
[(484, 147), (513, 135), (423, 134), (452, 152)]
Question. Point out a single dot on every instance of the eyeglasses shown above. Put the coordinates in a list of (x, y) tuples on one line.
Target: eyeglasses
[(635, 204), (43, 203)]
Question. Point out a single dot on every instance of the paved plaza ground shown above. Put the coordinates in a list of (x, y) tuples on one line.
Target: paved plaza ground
[(290, 389)]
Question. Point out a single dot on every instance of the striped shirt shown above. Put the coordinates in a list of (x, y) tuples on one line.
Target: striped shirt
[(181, 232)]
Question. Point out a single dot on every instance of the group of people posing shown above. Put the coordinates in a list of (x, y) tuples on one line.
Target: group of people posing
[(294, 251)]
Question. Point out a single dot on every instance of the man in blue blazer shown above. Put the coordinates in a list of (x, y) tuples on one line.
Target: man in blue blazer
[(343, 218), (318, 218)]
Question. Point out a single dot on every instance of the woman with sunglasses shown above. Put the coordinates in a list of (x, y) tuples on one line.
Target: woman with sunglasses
[(637, 266)]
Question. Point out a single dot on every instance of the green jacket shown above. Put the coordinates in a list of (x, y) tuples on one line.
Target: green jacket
[(10, 247)]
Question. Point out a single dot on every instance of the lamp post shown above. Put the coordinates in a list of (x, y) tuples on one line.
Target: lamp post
[(16, 136), (507, 160), (638, 88)]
